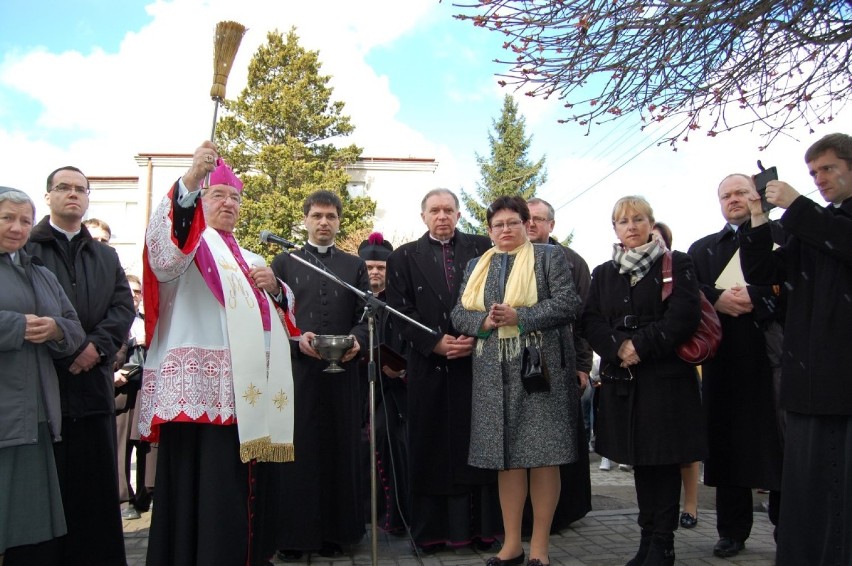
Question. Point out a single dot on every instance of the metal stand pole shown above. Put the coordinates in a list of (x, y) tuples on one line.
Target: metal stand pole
[(372, 376), (372, 306)]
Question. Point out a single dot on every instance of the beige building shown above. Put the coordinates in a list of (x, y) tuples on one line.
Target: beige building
[(396, 184)]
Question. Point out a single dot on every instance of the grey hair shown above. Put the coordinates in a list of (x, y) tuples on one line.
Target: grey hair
[(17, 196), (439, 191), (550, 211)]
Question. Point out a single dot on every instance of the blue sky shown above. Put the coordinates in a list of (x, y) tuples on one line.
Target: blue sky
[(94, 82), (82, 25)]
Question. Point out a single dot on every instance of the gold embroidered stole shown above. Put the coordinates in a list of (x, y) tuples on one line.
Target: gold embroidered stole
[(263, 386)]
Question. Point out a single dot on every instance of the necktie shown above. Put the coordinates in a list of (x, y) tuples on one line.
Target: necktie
[(449, 266)]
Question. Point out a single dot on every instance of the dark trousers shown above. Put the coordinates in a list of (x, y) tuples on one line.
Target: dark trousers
[(735, 511), (658, 495), (86, 462)]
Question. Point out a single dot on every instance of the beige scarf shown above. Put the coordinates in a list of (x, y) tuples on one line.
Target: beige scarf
[(263, 383), (521, 291)]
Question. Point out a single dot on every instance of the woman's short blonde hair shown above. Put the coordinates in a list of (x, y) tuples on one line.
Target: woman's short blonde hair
[(628, 204)]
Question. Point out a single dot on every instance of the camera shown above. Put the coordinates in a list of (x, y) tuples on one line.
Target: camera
[(760, 181)]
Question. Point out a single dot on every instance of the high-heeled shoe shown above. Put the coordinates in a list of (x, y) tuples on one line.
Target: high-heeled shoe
[(497, 561)]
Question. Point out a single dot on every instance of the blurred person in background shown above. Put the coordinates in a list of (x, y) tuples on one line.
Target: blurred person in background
[(689, 473), (575, 499)]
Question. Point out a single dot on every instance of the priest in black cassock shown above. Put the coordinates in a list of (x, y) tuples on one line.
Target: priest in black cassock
[(452, 503), (320, 504)]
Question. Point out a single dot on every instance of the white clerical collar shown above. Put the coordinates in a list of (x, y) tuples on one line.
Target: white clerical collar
[(321, 249), (69, 235), (443, 242)]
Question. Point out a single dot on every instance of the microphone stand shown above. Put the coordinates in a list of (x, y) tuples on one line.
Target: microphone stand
[(372, 307)]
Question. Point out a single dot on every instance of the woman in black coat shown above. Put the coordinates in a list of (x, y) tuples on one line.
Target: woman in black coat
[(649, 412)]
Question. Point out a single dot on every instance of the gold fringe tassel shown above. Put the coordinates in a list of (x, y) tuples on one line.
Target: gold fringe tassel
[(263, 450)]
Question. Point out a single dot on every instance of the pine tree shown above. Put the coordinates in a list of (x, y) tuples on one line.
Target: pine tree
[(278, 136), (508, 170)]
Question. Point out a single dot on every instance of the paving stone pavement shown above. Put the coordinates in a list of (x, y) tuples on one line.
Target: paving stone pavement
[(607, 536)]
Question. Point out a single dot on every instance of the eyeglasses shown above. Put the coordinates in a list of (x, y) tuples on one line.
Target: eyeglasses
[(539, 220), (510, 225), (218, 196), (136, 291), (64, 189)]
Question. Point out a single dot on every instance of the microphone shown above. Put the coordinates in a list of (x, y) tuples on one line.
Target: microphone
[(268, 237)]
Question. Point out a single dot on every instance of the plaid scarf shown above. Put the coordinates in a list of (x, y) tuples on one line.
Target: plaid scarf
[(636, 261)]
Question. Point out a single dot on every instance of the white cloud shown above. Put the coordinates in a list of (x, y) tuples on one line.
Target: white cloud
[(153, 94)]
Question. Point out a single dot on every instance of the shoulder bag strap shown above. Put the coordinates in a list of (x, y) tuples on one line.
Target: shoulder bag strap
[(668, 280)]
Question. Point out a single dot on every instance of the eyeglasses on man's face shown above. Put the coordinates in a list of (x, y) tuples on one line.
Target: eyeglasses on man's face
[(223, 196), (510, 225), (64, 189), (538, 219)]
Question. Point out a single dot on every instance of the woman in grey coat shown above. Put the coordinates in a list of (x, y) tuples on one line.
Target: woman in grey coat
[(515, 296), (39, 324)]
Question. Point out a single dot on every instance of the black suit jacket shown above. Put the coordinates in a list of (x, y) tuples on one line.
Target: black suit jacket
[(440, 389)]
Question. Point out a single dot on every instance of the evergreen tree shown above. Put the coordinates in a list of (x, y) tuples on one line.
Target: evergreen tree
[(507, 171), (278, 136)]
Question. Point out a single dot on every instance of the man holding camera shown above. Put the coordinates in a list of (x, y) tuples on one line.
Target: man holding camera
[(816, 267)]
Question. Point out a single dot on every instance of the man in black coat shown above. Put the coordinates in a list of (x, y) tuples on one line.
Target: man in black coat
[(320, 502), (744, 440), (815, 266), (575, 499), (451, 502), (92, 277)]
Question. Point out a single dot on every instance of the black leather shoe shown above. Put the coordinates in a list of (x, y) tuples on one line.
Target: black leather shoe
[(516, 561), (536, 562), (688, 520), (727, 547)]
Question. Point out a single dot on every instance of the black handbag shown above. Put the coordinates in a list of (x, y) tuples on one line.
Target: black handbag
[(534, 374)]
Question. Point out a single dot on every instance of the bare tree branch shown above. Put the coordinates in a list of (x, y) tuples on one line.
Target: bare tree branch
[(767, 64)]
